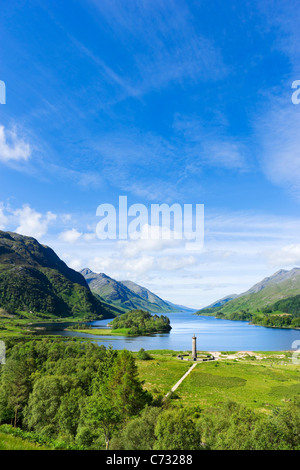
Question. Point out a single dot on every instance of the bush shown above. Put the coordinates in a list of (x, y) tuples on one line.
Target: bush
[(143, 355)]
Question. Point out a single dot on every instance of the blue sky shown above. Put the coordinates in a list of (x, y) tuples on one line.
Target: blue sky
[(170, 101)]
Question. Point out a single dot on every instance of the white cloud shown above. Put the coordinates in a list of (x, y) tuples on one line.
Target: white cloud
[(13, 148), (70, 236), (3, 218), (89, 236), (151, 238), (191, 147), (66, 218), (73, 235), (287, 256), (124, 267), (171, 263), (32, 223), (277, 124), (279, 135), (75, 264)]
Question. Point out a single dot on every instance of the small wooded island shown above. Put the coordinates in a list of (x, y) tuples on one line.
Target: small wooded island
[(133, 323), (141, 322)]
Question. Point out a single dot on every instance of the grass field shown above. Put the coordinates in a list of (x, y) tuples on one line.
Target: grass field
[(161, 373), (8, 442), (261, 383), (103, 331)]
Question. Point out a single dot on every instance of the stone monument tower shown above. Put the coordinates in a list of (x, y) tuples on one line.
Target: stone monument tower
[(194, 348)]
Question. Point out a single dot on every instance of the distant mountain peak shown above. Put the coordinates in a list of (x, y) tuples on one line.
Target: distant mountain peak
[(279, 276), (126, 294), (86, 271), (281, 285)]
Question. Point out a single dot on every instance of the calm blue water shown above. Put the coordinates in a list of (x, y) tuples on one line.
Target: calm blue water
[(212, 335)]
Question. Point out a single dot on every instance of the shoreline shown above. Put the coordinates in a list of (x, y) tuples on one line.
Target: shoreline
[(249, 322)]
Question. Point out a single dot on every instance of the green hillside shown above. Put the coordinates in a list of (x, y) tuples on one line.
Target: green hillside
[(290, 305), (125, 295), (33, 280), (275, 301), (265, 297)]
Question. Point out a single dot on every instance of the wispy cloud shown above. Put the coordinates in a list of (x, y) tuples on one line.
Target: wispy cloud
[(210, 145), (279, 143), (277, 122), (190, 148), (3, 218), (107, 72), (166, 46), (82, 178), (283, 19)]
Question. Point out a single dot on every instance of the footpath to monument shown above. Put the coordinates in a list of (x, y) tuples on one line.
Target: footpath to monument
[(181, 380)]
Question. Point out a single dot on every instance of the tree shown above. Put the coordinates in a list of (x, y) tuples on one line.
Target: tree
[(41, 413), (125, 387), (117, 396), (68, 414), (229, 428), (101, 412), (281, 431), (139, 433), (15, 388), (176, 431)]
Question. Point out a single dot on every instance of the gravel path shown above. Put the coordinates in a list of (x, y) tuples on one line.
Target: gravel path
[(181, 380)]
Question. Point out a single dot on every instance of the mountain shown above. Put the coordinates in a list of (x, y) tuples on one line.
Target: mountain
[(281, 285), (277, 278), (221, 302), (181, 308), (153, 298), (34, 280), (126, 295)]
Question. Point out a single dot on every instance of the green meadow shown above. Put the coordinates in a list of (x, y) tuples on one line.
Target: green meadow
[(263, 382), (12, 442), (162, 372), (103, 331)]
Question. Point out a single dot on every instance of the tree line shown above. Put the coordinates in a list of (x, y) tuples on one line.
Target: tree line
[(78, 395)]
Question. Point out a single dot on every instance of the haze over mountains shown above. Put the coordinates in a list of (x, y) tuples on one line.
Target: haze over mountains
[(127, 294)]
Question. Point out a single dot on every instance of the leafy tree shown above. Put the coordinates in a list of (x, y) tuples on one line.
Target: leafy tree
[(176, 431), (68, 414), (281, 431), (125, 387), (116, 397), (230, 427), (41, 413), (15, 387), (138, 434), (101, 412)]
